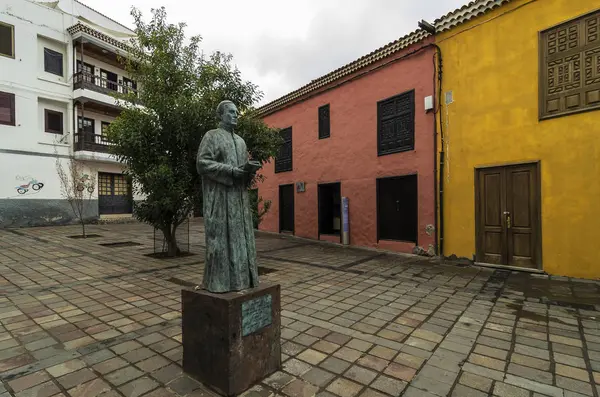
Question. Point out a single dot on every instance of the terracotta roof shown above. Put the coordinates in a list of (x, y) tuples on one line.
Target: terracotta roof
[(79, 27), (448, 21), (466, 13), (352, 67)]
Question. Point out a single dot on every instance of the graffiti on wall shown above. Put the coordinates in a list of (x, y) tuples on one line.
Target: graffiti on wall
[(85, 183), (30, 186)]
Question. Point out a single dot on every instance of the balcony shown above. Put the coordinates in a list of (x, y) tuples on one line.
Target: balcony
[(85, 141), (84, 80)]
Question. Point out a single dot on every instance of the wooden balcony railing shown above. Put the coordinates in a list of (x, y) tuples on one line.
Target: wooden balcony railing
[(91, 142), (99, 84)]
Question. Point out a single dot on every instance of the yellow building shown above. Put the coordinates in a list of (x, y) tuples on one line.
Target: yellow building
[(520, 118)]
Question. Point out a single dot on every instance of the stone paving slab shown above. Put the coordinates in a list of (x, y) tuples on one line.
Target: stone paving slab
[(78, 318)]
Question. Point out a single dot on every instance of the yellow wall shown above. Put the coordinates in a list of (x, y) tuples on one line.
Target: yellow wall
[(492, 69)]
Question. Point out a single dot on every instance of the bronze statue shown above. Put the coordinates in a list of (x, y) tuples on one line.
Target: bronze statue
[(224, 165)]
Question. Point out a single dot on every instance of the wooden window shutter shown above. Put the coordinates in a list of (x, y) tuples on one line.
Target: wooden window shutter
[(7, 108), (283, 161), (570, 67), (324, 122), (396, 124)]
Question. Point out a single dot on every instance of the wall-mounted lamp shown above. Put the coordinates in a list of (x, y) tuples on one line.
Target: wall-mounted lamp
[(426, 26)]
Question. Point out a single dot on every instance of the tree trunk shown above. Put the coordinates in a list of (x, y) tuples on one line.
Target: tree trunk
[(83, 228), (170, 237)]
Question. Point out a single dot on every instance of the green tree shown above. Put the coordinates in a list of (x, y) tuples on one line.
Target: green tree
[(160, 128)]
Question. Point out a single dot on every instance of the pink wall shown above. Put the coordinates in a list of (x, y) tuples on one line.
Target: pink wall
[(349, 156)]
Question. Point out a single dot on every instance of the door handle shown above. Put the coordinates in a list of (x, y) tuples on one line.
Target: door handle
[(507, 214), (397, 205)]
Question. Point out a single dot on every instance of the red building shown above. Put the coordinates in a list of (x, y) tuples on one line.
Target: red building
[(365, 132)]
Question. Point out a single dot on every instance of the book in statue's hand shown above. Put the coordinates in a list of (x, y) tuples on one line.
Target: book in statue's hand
[(252, 166)]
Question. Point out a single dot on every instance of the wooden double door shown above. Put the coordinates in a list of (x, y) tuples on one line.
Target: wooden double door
[(508, 215), (114, 194)]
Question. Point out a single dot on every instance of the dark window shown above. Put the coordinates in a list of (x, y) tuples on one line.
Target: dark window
[(396, 124), (85, 125), (397, 208), (129, 85), (283, 161), (7, 108), (86, 70), (53, 62), (53, 121), (570, 63), (104, 128), (7, 40), (108, 80), (324, 124)]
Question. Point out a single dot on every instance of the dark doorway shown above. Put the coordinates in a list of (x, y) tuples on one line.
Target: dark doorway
[(507, 215), (109, 80), (286, 208), (330, 209), (397, 208), (114, 194)]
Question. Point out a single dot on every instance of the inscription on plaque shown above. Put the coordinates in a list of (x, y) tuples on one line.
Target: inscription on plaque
[(256, 314)]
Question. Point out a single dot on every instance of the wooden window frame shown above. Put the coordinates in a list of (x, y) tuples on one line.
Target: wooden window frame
[(12, 37), (380, 119), (11, 100), (62, 62), (578, 54), (324, 125), (47, 128), (103, 124), (278, 166)]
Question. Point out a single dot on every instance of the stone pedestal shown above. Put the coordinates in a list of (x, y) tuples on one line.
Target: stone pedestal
[(232, 340)]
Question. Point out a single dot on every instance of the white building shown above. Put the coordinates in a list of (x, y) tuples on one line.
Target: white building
[(58, 68)]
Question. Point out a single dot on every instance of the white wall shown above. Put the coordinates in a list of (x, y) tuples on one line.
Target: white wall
[(27, 152), (35, 27)]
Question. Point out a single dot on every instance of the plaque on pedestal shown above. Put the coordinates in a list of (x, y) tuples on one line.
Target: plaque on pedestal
[(231, 340)]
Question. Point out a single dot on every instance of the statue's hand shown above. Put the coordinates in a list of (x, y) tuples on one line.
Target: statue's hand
[(239, 173)]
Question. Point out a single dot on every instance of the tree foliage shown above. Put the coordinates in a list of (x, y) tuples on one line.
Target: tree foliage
[(160, 128)]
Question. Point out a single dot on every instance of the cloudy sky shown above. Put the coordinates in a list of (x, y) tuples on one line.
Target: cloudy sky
[(280, 44)]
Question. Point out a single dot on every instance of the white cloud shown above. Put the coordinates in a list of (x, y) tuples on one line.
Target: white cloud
[(282, 45)]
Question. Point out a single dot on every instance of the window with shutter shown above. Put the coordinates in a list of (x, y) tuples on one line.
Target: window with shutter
[(53, 62), (570, 67), (53, 121), (104, 131), (7, 108), (7, 40), (396, 124), (283, 161), (324, 124), (129, 83)]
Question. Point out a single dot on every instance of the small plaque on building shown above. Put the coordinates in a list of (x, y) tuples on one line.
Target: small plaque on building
[(256, 314), (300, 187)]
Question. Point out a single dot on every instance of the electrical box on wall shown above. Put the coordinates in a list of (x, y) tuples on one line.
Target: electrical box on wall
[(428, 103)]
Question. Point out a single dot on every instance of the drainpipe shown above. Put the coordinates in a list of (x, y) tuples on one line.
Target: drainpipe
[(437, 81), (439, 197)]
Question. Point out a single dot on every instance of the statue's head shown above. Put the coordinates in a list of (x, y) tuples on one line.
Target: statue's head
[(227, 113)]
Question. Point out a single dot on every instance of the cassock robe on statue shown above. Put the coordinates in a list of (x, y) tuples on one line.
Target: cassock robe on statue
[(230, 246)]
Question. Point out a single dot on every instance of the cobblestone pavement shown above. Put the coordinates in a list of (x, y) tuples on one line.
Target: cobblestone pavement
[(82, 319)]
